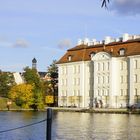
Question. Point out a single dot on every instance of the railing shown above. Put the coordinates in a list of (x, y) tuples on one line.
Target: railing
[(48, 121)]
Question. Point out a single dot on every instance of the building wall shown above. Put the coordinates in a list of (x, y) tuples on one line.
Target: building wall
[(134, 79), (104, 81), (71, 84), (18, 78)]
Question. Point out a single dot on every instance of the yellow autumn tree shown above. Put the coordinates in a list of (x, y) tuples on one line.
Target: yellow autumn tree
[(22, 95)]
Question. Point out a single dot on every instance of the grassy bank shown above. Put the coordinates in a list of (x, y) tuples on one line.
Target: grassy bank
[(3, 104)]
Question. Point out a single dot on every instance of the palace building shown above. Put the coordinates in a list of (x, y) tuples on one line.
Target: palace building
[(100, 73)]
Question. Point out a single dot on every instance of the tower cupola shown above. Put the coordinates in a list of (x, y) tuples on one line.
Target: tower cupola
[(34, 63)]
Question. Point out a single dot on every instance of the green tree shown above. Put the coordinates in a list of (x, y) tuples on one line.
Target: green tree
[(6, 82), (22, 95), (31, 76), (52, 73)]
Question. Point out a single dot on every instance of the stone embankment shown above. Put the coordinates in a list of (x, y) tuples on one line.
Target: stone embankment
[(98, 110)]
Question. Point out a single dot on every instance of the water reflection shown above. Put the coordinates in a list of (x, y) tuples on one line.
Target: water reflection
[(71, 126), (84, 126), (15, 119)]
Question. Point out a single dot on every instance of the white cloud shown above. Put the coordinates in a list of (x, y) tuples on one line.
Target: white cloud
[(64, 44), (126, 7), (21, 43), (12, 67)]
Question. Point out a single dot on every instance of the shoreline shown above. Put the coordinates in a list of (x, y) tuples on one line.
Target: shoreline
[(83, 110), (97, 110)]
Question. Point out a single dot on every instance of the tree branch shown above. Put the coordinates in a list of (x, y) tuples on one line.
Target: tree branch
[(104, 3)]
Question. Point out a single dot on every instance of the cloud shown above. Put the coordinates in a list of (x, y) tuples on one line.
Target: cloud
[(21, 43), (64, 44), (12, 67), (126, 7)]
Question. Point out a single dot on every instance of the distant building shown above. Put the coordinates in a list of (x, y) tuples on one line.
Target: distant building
[(19, 79), (34, 63), (101, 73), (41, 74)]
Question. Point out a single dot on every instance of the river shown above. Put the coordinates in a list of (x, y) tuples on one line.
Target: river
[(71, 126)]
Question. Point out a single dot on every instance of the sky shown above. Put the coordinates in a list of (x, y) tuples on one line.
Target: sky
[(46, 29)]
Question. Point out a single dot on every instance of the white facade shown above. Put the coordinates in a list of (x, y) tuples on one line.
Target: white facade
[(18, 78), (102, 81)]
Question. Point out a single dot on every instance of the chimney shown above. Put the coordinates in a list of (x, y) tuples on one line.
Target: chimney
[(125, 37)]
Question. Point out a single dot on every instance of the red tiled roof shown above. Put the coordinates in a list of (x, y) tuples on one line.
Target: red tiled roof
[(82, 52)]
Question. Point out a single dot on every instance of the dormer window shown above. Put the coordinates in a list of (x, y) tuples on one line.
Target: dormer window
[(92, 54), (122, 51), (69, 58)]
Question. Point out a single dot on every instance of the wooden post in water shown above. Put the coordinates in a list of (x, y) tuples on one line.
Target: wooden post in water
[(49, 124)]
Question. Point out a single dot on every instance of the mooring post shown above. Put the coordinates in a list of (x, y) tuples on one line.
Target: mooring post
[(49, 124)]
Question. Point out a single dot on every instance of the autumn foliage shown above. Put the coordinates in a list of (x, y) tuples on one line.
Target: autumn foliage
[(22, 94)]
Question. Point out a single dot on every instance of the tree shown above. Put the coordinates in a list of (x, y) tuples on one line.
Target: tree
[(52, 73), (32, 77), (52, 88), (6, 82), (22, 95), (104, 3)]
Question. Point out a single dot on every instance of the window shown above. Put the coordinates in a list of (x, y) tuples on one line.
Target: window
[(74, 69), (78, 92), (66, 93), (77, 69), (121, 92), (98, 66), (125, 65), (78, 81), (61, 70), (135, 78), (125, 79), (103, 92), (103, 66), (121, 65), (103, 79), (65, 70), (74, 93), (69, 58), (98, 79), (98, 92), (135, 64), (136, 91), (65, 81), (125, 92), (107, 65), (62, 93), (92, 54), (107, 92), (122, 51), (74, 81), (62, 82), (107, 79), (121, 79)]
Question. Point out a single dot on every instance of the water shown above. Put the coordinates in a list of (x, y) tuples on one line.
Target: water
[(71, 126)]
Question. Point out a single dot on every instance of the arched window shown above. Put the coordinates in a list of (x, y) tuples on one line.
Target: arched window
[(92, 54)]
